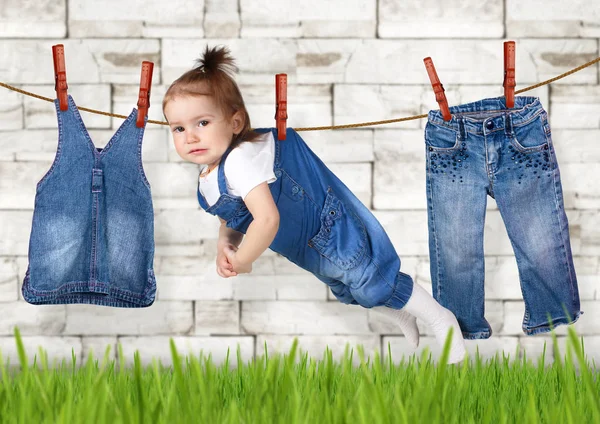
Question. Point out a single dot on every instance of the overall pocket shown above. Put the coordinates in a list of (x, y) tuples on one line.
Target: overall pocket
[(342, 237)]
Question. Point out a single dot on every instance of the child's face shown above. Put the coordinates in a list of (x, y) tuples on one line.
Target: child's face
[(201, 131)]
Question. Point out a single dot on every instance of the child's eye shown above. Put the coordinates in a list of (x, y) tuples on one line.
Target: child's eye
[(203, 123), (177, 129)]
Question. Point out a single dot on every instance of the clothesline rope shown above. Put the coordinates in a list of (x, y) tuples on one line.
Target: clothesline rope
[(331, 127)]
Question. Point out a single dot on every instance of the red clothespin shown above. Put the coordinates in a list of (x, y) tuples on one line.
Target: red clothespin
[(438, 89), (281, 105), (509, 73), (60, 76), (144, 97)]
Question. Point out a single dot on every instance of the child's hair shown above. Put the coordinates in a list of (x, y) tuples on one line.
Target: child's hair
[(213, 76)]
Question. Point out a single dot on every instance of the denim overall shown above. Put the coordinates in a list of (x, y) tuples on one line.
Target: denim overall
[(323, 228), (92, 235), (489, 150)]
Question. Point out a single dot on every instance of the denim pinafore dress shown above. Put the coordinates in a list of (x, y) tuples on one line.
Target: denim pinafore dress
[(92, 235), (323, 228)]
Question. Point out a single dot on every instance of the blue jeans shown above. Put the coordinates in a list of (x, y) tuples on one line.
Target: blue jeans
[(507, 154)]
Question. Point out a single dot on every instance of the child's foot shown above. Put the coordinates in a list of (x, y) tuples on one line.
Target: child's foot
[(406, 322), (422, 305), (443, 322)]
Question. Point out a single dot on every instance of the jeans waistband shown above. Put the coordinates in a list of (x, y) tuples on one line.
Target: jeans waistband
[(475, 117)]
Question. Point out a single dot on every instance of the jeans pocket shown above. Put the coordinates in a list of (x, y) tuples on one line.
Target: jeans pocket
[(342, 237), (439, 138), (530, 137)]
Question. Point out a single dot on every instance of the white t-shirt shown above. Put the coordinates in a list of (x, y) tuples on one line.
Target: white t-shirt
[(247, 165)]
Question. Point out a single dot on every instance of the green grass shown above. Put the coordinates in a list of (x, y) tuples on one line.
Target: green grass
[(294, 388)]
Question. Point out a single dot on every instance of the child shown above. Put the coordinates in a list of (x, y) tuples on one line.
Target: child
[(282, 196)]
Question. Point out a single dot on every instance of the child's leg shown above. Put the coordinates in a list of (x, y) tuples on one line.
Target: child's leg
[(423, 306), (406, 322)]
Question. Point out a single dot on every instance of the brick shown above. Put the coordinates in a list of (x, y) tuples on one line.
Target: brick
[(591, 346), (96, 346), (532, 348), (217, 317), (41, 19), (278, 287), (57, 349), (579, 188), (576, 19), (125, 98), (222, 19), (471, 19), (11, 117), (158, 348), (357, 177), (345, 146), (258, 59), (576, 145), (587, 269), (32, 319), (365, 103), (18, 189), (87, 61), (430, 348), (288, 317), (320, 61), (575, 107), (160, 318), (502, 279), (308, 105), (584, 229), (315, 346), (480, 61), (8, 280), (407, 230), (42, 114), (337, 18), (153, 18), (185, 227)]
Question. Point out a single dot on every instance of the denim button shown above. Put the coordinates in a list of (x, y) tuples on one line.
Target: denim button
[(545, 147), (295, 189), (489, 125), (278, 173), (431, 149)]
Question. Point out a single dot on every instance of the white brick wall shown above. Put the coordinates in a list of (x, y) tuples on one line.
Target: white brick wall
[(347, 61)]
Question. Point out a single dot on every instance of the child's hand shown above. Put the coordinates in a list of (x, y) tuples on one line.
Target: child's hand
[(238, 267), (224, 267)]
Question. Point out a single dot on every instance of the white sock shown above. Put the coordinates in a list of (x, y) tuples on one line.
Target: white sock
[(406, 322), (423, 306)]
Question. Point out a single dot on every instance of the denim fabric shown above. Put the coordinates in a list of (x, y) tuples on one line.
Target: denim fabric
[(484, 150), (92, 235), (323, 228)]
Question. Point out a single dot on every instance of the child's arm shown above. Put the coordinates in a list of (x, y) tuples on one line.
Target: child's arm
[(261, 231), (228, 235), (228, 239)]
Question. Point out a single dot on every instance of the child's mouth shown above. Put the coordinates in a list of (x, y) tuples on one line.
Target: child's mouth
[(197, 151)]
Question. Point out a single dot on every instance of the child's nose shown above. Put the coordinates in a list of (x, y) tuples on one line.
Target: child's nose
[(192, 137)]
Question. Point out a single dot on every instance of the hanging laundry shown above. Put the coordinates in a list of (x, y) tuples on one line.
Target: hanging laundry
[(92, 235), (487, 149)]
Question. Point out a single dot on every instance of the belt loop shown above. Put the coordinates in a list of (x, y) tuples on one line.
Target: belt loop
[(508, 126), (461, 128)]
